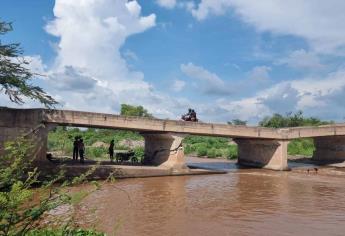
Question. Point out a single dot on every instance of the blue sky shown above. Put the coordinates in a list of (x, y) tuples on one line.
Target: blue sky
[(228, 59)]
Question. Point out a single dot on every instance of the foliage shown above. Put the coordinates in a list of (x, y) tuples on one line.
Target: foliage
[(303, 147), (15, 77), (299, 146), (129, 110), (291, 120), (139, 153), (96, 152), (22, 206), (232, 152), (18, 211), (211, 147), (237, 122), (61, 139)]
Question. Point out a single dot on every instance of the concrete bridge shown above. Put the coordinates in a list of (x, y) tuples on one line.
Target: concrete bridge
[(257, 146)]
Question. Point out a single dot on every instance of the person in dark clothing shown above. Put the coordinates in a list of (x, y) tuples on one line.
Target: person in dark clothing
[(111, 150), (186, 117), (75, 148), (81, 148), (193, 116)]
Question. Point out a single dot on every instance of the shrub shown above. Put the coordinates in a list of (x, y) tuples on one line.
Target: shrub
[(211, 153), (139, 153), (201, 150), (303, 147), (96, 152), (18, 212), (232, 152)]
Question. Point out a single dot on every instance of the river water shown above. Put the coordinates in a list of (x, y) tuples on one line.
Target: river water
[(242, 202)]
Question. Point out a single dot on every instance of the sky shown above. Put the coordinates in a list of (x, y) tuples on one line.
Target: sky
[(227, 59)]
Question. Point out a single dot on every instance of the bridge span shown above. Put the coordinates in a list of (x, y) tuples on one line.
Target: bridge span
[(257, 146)]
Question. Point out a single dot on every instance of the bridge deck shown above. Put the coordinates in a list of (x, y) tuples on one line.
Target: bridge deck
[(101, 120)]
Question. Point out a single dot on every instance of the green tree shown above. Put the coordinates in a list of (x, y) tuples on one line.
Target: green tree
[(291, 120), (237, 122), (129, 110), (15, 78)]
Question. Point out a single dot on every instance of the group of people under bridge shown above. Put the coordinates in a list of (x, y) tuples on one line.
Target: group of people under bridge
[(79, 146)]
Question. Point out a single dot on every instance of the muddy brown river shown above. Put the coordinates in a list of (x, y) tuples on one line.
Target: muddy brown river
[(242, 202)]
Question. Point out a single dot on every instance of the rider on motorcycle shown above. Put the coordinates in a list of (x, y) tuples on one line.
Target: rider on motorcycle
[(190, 116)]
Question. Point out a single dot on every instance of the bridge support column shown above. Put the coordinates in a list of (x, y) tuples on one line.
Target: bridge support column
[(24, 123), (165, 150), (268, 154), (330, 148)]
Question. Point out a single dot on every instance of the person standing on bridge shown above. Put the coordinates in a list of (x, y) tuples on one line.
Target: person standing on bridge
[(75, 148), (111, 150), (81, 148)]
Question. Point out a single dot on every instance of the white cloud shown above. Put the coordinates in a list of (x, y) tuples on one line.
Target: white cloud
[(260, 73), (166, 3), (130, 55), (35, 65), (209, 82), (178, 85), (319, 22), (300, 59), (90, 73), (318, 97)]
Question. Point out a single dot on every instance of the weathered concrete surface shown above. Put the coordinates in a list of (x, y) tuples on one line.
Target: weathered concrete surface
[(268, 154), (165, 150), (26, 123), (331, 148)]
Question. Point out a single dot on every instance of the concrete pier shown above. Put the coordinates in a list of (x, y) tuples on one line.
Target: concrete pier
[(329, 148), (15, 123), (268, 154), (165, 150)]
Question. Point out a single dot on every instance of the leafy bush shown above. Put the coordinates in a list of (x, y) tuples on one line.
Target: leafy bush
[(201, 150), (18, 212), (303, 147), (139, 153), (207, 146), (232, 152), (291, 120), (211, 153), (96, 152)]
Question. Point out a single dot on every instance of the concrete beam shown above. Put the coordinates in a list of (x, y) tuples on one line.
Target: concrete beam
[(331, 148), (100, 120), (165, 150), (268, 154)]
